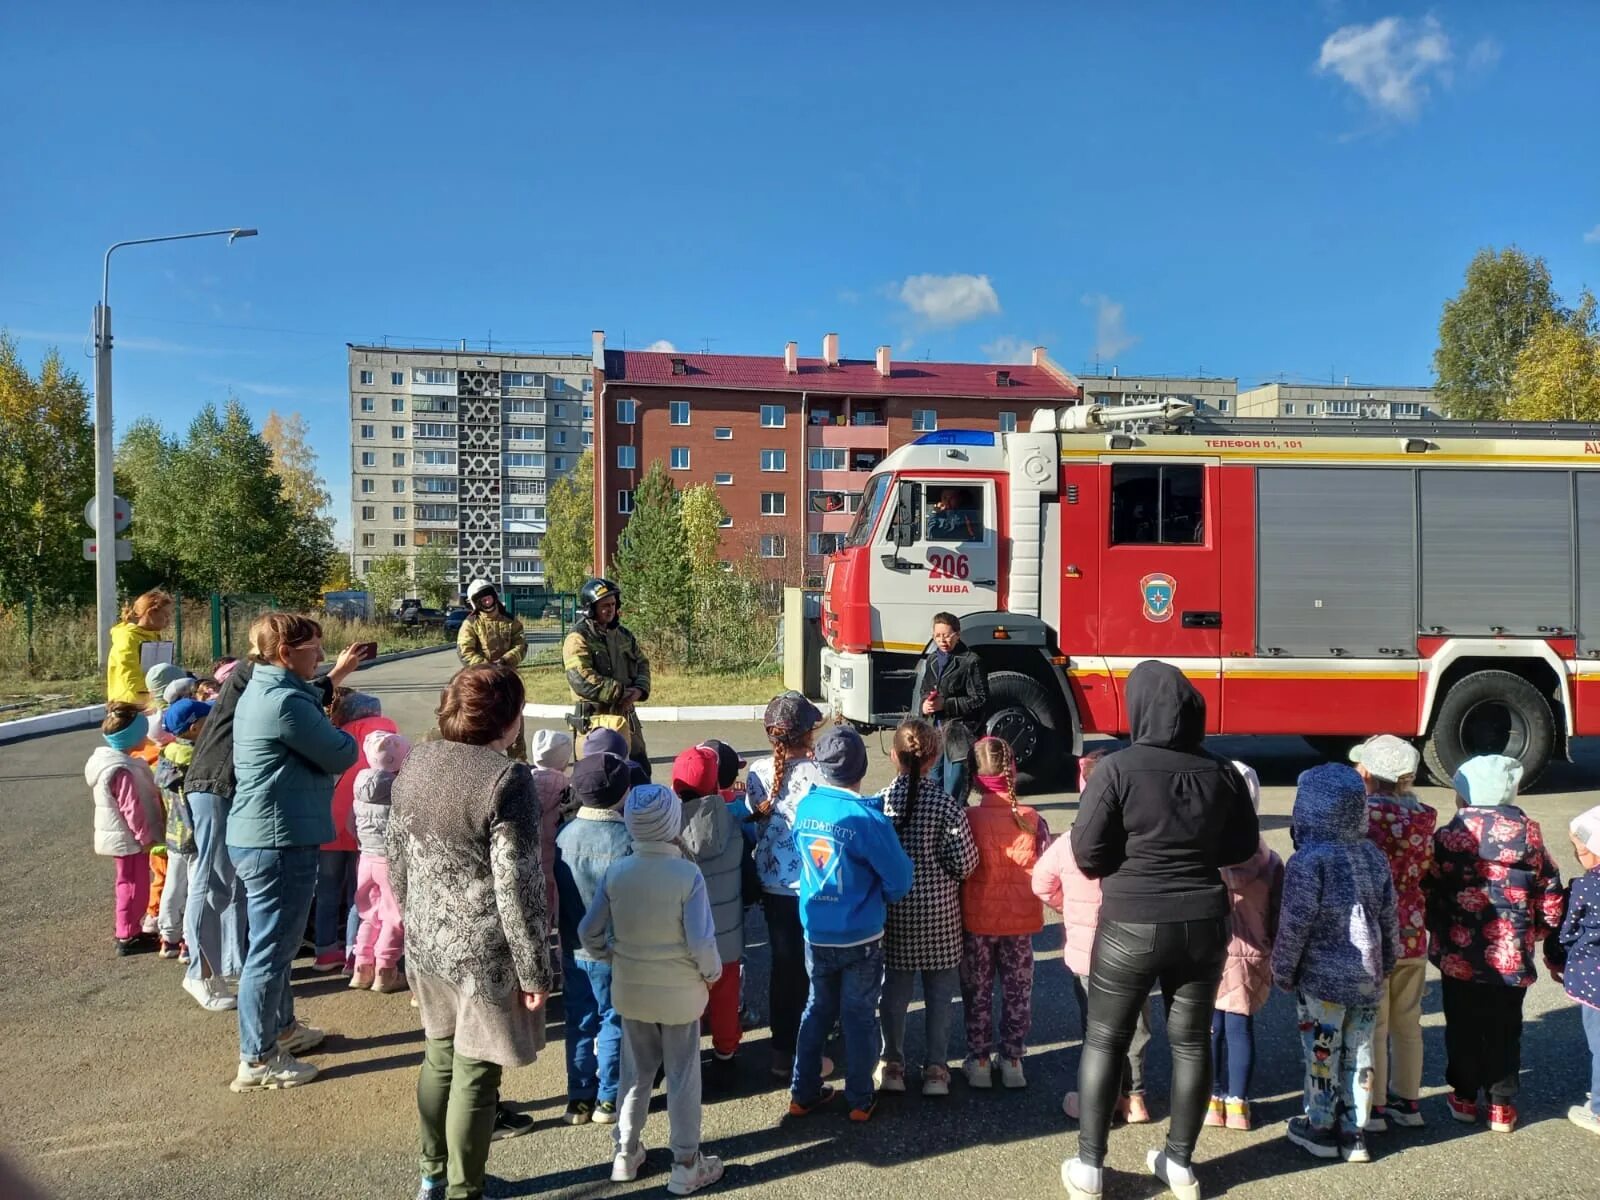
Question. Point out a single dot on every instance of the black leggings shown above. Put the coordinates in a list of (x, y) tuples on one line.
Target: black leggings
[(1186, 959)]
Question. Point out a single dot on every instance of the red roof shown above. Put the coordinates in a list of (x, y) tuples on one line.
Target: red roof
[(853, 376)]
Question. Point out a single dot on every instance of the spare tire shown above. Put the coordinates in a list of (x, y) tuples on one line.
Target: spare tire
[(1491, 712), (1022, 712)]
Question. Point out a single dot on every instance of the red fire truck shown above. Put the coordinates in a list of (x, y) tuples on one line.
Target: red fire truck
[(1331, 579)]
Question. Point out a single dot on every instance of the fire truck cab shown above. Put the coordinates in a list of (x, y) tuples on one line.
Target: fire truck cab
[(1329, 579)]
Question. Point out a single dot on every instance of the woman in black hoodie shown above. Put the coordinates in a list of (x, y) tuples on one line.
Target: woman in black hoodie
[(1155, 824)]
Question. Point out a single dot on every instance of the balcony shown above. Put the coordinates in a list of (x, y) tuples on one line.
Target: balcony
[(848, 437), (450, 523), (834, 522)]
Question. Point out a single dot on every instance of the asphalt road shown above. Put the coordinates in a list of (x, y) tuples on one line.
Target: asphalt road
[(115, 1083)]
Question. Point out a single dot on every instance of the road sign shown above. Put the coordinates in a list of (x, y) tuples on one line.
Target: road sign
[(124, 549), (123, 510)]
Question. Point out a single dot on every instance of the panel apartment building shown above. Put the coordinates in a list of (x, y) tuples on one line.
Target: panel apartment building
[(456, 449), (787, 441)]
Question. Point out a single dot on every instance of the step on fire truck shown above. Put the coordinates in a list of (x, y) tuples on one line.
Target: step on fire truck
[(1330, 579)]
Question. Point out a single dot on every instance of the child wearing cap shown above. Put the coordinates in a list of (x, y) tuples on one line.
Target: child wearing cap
[(381, 935), (127, 818), (1491, 893), (712, 841), (1580, 941), (550, 754), (156, 682), (1402, 827), (182, 721), (586, 846), (651, 919), (1337, 942), (852, 869)]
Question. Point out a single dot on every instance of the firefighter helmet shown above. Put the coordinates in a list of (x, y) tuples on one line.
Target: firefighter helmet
[(595, 590)]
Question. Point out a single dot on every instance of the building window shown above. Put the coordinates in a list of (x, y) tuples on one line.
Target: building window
[(1008, 422), (525, 487), (679, 458), (588, 409), (368, 404), (726, 522), (773, 416), (397, 404), (1311, 408), (678, 412), (724, 478), (433, 404), (436, 512), (398, 512), (821, 416), (436, 483), (559, 463), (397, 486), (399, 539), (1222, 404), (1405, 408), (1344, 408), (397, 379), (826, 460), (524, 460), (397, 432), (366, 379), (369, 512), (561, 412), (367, 431), (559, 437), (1157, 505), (588, 438), (526, 407), (432, 429), (627, 411), (774, 504), (866, 416), (924, 420), (525, 512), (368, 459), (369, 539), (625, 458), (434, 375), (772, 546), (722, 433), (588, 385), (824, 543), (1288, 408), (399, 458), (436, 458), (625, 502), (525, 433), (369, 485), (774, 460), (521, 379)]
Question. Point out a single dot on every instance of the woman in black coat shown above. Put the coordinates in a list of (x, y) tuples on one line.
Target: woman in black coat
[(951, 690)]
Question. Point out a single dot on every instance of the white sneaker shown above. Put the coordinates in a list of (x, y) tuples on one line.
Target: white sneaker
[(148, 925), (1011, 1075), (625, 1167), (279, 1071), (300, 1038), (935, 1080), (705, 1170), (890, 1077), (979, 1072), (208, 995)]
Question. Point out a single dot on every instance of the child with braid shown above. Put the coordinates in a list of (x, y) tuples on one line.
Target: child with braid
[(1001, 914)]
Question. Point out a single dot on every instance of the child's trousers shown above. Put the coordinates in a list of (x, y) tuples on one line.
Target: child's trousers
[(133, 893), (1482, 1038), (646, 1046), (174, 897), (1397, 1037), (722, 1011), (381, 938), (938, 991), (158, 883), (983, 958), (1337, 1042), (1233, 1054)]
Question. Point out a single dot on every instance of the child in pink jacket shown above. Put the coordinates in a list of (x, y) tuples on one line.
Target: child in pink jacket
[(1255, 889), (1058, 882)]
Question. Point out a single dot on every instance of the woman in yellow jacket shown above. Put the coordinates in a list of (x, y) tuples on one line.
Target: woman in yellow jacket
[(142, 621)]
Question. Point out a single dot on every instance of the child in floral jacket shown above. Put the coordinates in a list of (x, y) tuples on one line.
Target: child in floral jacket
[(1492, 893)]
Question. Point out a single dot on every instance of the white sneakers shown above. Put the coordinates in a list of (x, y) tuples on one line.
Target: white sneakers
[(281, 1070), (979, 1072), (625, 1167), (300, 1038), (890, 1077), (1011, 1075), (210, 994), (686, 1178), (935, 1080)]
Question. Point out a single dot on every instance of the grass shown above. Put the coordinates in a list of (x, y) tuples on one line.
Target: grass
[(548, 685)]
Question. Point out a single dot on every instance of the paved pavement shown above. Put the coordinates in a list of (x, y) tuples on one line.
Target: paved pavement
[(115, 1084)]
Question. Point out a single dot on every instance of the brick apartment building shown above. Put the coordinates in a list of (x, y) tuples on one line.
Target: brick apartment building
[(787, 441)]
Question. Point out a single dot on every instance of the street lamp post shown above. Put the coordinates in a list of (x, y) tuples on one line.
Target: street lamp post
[(105, 563)]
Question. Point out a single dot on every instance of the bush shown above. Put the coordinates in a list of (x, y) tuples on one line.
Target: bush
[(732, 627)]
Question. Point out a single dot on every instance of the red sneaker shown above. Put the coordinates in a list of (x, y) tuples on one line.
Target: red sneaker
[(1502, 1118), (1462, 1109), (333, 960)]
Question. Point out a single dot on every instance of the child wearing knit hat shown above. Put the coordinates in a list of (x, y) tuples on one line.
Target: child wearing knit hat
[(1580, 939), (381, 934), (651, 919), (127, 818)]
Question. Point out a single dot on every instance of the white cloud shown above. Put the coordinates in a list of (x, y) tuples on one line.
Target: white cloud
[(1484, 54), (661, 346), (1111, 336), (1593, 236), (1008, 348), (949, 299), (1389, 62), (274, 390)]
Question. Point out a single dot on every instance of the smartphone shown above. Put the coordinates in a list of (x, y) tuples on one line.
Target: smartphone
[(367, 650)]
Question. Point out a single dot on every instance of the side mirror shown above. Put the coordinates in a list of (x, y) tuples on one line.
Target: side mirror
[(903, 529)]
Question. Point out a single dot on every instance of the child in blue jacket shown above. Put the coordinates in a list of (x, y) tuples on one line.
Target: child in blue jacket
[(851, 869)]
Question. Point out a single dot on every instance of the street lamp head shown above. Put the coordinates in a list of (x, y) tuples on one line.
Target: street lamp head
[(239, 233)]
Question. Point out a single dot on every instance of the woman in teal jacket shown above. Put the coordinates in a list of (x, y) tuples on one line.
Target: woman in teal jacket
[(287, 757)]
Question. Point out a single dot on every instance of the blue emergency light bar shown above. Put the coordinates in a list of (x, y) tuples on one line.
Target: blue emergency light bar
[(956, 437)]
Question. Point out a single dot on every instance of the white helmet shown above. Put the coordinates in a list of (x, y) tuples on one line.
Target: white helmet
[(476, 588)]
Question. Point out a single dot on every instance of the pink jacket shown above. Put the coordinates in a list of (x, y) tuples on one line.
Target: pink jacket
[(554, 790), (1255, 889), (344, 792), (1058, 882)]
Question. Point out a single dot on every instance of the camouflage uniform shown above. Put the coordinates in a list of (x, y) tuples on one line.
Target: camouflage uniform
[(496, 637), (602, 664)]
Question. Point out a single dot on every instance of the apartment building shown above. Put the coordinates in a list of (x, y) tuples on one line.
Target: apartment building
[(1333, 400), (787, 441), (1209, 395), (456, 449)]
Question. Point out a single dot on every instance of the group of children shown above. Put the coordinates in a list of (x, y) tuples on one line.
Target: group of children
[(869, 897)]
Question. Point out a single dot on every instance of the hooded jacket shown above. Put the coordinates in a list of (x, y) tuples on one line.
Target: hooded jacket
[(1159, 819), (212, 769), (1255, 891), (851, 867), (1404, 832), (1492, 893), (1338, 937), (1063, 887), (124, 668), (364, 716)]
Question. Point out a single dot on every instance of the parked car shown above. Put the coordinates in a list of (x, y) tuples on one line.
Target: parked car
[(419, 616), (454, 619)]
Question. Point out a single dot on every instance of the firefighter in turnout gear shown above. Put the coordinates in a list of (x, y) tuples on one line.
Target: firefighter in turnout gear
[(492, 635), (606, 670)]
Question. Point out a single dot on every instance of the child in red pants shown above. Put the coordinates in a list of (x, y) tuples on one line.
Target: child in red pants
[(128, 818), (711, 839)]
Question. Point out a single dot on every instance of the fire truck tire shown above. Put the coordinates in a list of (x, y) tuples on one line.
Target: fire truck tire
[(1491, 712), (1022, 713)]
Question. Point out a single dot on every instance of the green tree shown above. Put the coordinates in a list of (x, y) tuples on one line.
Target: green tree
[(1483, 329), (1558, 371), (652, 560), (436, 577), (47, 473), (702, 514), (387, 581), (569, 527)]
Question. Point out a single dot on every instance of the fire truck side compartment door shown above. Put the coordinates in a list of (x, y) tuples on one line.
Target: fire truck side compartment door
[(940, 552)]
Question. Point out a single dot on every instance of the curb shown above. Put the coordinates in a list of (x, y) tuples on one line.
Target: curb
[(662, 712)]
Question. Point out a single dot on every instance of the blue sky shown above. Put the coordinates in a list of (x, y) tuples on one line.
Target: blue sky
[(1247, 190)]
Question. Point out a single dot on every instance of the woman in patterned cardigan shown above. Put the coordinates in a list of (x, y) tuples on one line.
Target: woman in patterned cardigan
[(922, 935), (464, 851)]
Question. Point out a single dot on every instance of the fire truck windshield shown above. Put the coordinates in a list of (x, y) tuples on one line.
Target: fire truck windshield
[(867, 511)]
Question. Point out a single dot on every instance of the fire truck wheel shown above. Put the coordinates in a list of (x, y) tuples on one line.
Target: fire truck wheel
[(1491, 712), (1021, 712)]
